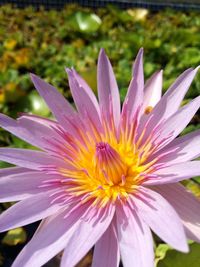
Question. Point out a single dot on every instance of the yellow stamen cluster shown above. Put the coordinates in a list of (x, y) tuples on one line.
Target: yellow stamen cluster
[(107, 169)]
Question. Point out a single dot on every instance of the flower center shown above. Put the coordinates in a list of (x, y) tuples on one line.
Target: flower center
[(105, 173), (109, 163)]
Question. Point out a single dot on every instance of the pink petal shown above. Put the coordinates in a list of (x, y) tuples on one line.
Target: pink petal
[(107, 88), (18, 186), (49, 240), (135, 240), (29, 130), (31, 159), (175, 173), (161, 218), (41, 120), (84, 99), (106, 251), (86, 234), (177, 91), (12, 170), (178, 121), (88, 91), (28, 211), (186, 205), (59, 106), (134, 97), (172, 99), (153, 90), (186, 148)]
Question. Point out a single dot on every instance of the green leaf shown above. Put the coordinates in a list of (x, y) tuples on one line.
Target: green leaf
[(87, 22), (160, 252), (174, 258), (15, 237), (38, 106)]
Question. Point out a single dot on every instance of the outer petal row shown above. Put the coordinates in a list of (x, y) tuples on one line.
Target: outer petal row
[(161, 218), (186, 205), (73, 233), (135, 239)]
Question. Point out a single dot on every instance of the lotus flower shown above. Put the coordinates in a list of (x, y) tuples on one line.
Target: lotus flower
[(104, 176)]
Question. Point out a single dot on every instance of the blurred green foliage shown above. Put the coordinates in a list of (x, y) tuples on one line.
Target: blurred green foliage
[(176, 259), (44, 42)]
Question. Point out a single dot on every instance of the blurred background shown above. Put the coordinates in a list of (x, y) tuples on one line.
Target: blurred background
[(43, 37)]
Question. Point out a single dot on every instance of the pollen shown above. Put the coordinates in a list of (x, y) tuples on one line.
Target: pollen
[(105, 171), (148, 109)]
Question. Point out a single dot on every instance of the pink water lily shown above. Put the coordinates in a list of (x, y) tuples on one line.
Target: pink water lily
[(104, 176)]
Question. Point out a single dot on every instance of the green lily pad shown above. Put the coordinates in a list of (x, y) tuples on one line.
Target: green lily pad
[(174, 258), (87, 22)]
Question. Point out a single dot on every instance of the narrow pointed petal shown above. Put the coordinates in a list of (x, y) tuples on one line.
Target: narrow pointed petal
[(185, 148), (85, 235), (180, 119), (135, 240), (41, 120), (28, 211), (153, 90), (57, 232), (134, 97), (161, 218), (59, 106), (186, 205), (84, 99), (31, 159), (28, 130), (107, 88), (20, 186), (12, 170), (87, 89), (106, 251), (177, 91), (50, 239), (172, 99), (175, 173)]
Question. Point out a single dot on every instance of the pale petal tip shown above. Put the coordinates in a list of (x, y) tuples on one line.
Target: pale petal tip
[(141, 50), (32, 75), (140, 54), (68, 70), (197, 68), (102, 53), (184, 248), (34, 78)]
